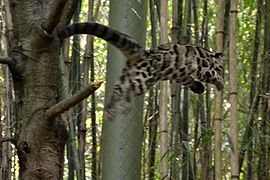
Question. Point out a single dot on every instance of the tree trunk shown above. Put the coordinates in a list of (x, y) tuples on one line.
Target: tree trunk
[(6, 123), (123, 137), (7, 102), (39, 142), (34, 52)]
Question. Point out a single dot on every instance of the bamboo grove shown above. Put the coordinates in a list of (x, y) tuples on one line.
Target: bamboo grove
[(170, 133)]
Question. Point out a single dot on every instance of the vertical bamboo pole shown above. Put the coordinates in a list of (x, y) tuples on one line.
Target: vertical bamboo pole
[(122, 137), (233, 91), (163, 97), (175, 98), (218, 94), (152, 102)]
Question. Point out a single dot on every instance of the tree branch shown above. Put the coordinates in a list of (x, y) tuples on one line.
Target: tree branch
[(266, 96), (6, 60), (72, 6), (12, 140), (71, 101), (54, 16)]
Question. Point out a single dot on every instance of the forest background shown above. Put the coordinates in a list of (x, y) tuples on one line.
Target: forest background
[(172, 133)]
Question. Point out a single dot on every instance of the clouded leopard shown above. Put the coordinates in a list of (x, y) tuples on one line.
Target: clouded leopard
[(188, 65)]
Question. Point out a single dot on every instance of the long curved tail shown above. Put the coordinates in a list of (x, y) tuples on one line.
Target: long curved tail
[(123, 42)]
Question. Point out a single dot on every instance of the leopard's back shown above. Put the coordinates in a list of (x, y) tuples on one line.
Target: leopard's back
[(183, 63)]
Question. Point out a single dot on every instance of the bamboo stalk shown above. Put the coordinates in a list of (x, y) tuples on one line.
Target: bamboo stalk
[(233, 91), (164, 168), (218, 94)]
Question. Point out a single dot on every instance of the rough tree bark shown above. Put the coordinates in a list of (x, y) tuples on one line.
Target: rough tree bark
[(34, 63)]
